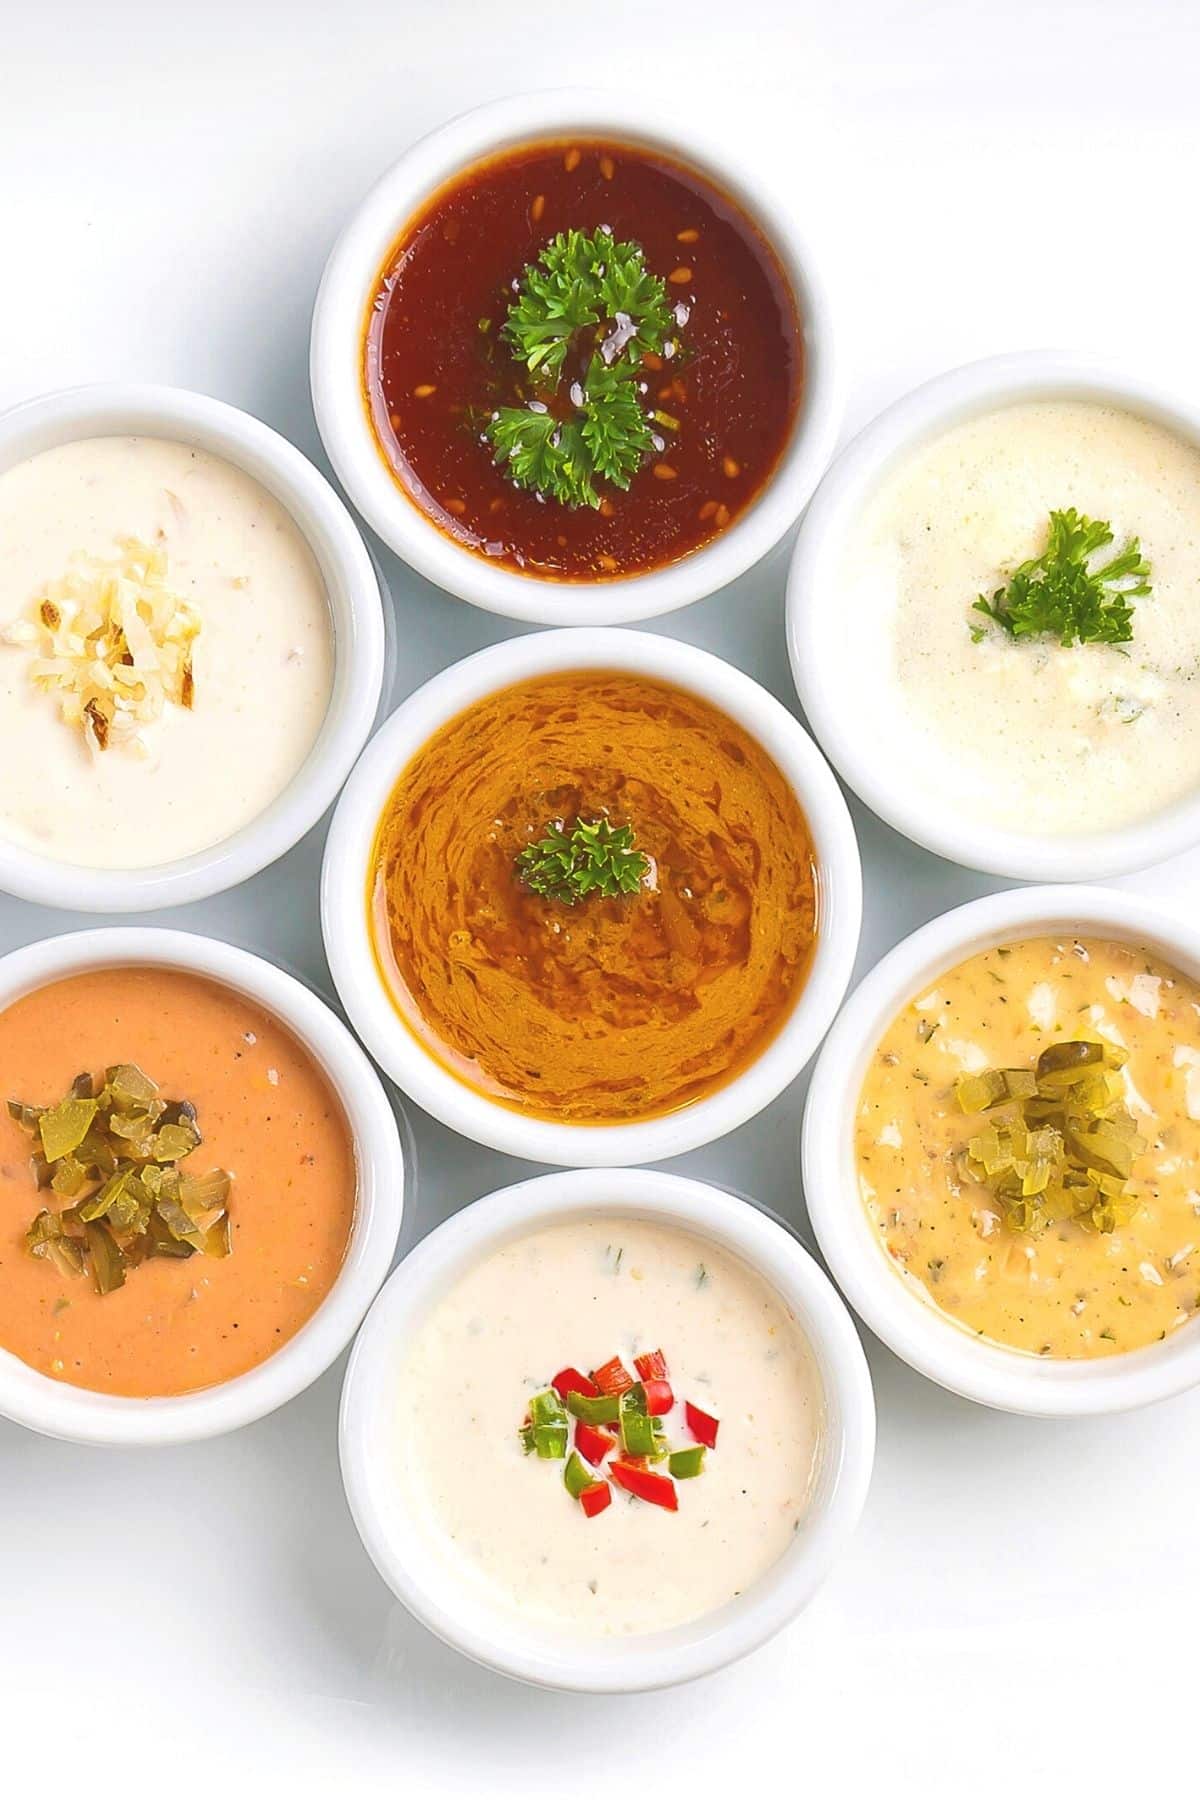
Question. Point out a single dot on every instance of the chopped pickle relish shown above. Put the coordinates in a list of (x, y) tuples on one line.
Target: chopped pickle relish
[(113, 642), (113, 1151), (1062, 1141)]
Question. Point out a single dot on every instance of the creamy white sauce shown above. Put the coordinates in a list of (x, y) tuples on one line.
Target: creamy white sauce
[(1028, 736), (577, 1293), (263, 661)]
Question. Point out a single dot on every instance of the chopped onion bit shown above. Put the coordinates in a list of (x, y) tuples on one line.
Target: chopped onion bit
[(113, 643)]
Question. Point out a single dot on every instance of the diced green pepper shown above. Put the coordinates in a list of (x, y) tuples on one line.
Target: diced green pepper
[(577, 1475), (686, 1464), (594, 1409), (549, 1422)]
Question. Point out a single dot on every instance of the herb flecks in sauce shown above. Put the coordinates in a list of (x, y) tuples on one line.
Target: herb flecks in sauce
[(592, 858), (1062, 594), (1068, 1289), (665, 417), (588, 313), (114, 1153)]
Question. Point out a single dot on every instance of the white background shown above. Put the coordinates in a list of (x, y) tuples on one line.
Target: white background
[(1019, 1610)]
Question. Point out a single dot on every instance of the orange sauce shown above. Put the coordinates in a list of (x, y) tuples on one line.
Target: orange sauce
[(267, 1114), (609, 1010)]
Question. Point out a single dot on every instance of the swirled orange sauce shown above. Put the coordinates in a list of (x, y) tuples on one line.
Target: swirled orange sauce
[(1068, 1291), (609, 1010)]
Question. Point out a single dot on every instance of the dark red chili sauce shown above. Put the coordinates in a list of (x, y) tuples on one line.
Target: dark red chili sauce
[(435, 365)]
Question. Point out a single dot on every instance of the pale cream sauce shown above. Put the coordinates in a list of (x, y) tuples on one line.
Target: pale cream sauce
[(578, 1293), (1028, 735), (263, 660)]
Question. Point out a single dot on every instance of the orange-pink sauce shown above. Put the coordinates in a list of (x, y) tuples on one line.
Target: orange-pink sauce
[(267, 1114)]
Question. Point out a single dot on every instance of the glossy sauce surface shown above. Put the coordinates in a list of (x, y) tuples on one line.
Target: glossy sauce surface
[(267, 1114), (1068, 1291), (610, 1010), (734, 387)]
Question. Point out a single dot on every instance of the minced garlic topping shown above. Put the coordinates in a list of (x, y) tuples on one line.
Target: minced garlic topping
[(114, 643)]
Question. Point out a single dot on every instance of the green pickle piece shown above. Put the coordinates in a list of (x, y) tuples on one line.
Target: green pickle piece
[(130, 1086), (113, 1150), (1065, 1144), (64, 1127)]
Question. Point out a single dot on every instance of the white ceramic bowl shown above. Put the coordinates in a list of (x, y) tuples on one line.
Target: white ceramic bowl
[(336, 361), (461, 1612), (355, 605), (822, 659), (60, 1410), (344, 884), (895, 1309)]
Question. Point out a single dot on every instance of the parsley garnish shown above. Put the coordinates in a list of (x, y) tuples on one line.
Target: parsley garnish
[(596, 858), (1060, 594), (591, 303)]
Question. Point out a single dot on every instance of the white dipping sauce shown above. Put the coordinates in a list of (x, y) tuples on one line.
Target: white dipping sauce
[(561, 1296), (263, 661), (1028, 735)]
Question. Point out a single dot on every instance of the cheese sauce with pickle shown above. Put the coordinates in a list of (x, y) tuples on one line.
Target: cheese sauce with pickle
[(1068, 1290)]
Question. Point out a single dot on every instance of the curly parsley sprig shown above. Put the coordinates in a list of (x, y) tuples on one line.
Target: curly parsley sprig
[(588, 298), (592, 858), (1060, 594)]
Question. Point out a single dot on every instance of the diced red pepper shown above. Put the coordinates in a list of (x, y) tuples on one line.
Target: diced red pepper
[(592, 1443), (570, 1381), (702, 1425), (594, 1499), (652, 1366), (612, 1377), (659, 1398), (644, 1484)]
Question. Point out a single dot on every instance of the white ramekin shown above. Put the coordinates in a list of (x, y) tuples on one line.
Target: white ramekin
[(826, 679), (895, 1309), (358, 628), (60, 1410), (461, 1612), (345, 875), (340, 316)]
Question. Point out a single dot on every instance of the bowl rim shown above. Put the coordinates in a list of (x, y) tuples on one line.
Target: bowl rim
[(683, 1653), (344, 884), (356, 606), (87, 1416), (827, 694), (911, 1326), (335, 358)]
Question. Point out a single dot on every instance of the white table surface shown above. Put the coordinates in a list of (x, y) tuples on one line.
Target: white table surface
[(1019, 1606)]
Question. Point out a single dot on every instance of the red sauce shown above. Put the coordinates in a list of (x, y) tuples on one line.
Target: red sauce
[(433, 376)]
